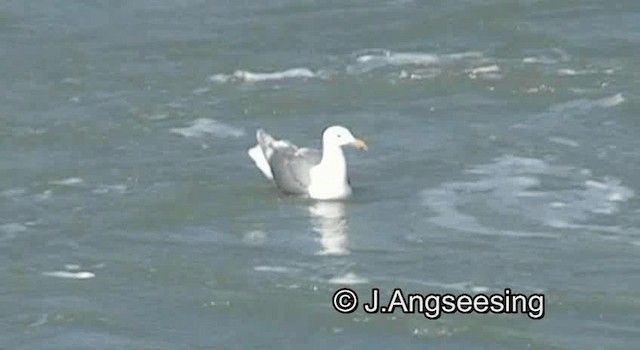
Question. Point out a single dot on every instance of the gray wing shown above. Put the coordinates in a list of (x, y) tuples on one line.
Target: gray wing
[(291, 165)]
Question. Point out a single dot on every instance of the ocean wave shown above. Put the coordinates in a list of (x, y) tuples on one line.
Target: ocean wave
[(485, 72), (513, 187), (67, 182), (13, 192), (277, 269), (348, 278), (205, 126), (541, 88), (548, 57), (104, 189), (253, 77), (254, 237), (13, 228), (400, 59), (79, 275), (572, 72), (381, 58), (419, 74), (564, 141), (10, 231), (582, 105)]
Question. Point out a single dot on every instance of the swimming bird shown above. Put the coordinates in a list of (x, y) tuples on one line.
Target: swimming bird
[(318, 174)]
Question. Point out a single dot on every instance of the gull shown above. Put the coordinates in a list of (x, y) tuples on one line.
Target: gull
[(297, 170)]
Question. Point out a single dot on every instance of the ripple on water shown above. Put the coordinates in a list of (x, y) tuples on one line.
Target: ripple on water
[(205, 126), (369, 60), (10, 231), (515, 186), (78, 275), (583, 105), (254, 77), (105, 189), (13, 192), (348, 278), (72, 181)]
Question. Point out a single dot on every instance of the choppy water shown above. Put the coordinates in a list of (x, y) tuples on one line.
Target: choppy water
[(503, 154)]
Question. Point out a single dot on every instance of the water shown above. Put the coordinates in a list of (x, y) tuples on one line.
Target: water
[(503, 154)]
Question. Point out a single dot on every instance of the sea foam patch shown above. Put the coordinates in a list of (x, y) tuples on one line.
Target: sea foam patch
[(467, 286), (78, 275), (568, 72), (72, 181), (348, 278), (513, 188), (582, 105), (374, 59), (547, 56), (205, 126), (254, 77), (11, 230), (13, 192), (104, 189), (276, 269)]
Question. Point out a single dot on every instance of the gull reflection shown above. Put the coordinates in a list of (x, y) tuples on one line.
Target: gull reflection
[(330, 221)]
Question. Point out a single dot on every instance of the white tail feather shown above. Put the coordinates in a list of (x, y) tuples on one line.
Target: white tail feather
[(261, 161)]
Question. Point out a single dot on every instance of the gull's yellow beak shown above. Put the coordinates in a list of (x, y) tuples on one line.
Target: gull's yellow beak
[(359, 144)]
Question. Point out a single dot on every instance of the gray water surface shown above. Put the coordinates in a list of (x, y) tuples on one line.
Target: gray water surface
[(503, 154)]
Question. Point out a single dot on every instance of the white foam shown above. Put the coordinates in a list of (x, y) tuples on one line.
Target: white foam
[(44, 195), (582, 105), (71, 81), (218, 303), (206, 126), (539, 60), (457, 286), (382, 58), (72, 267), (278, 269), (42, 320), (572, 72), (254, 77), (80, 275), (72, 181), (400, 59), (419, 74), (13, 228), (104, 189), (486, 69), (557, 204), (10, 231), (563, 141), (491, 72), (201, 90), (254, 237), (611, 101), (156, 116), (349, 278), (219, 78), (540, 88), (285, 74), (512, 187), (13, 192), (548, 57), (512, 164)]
